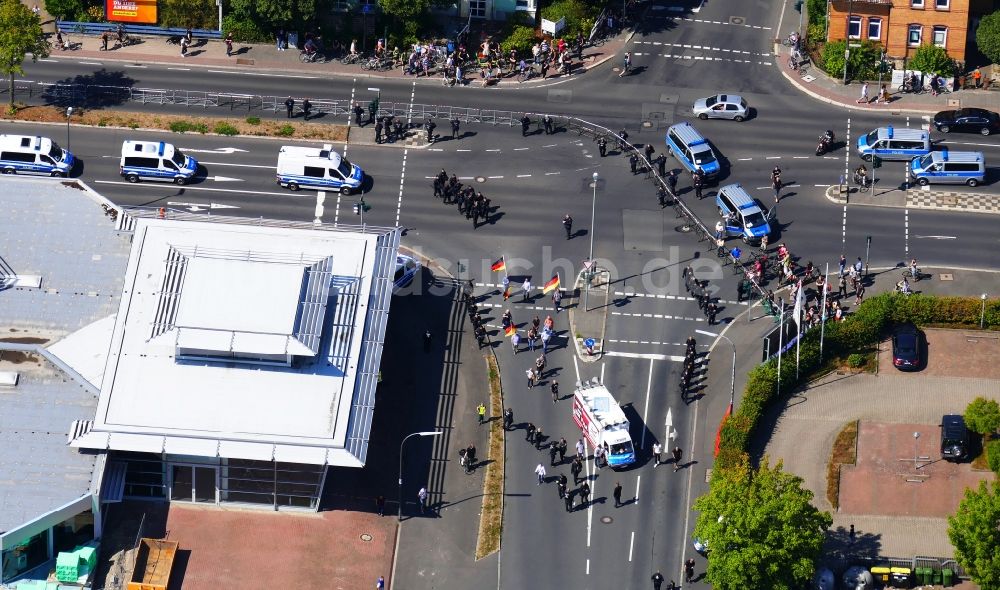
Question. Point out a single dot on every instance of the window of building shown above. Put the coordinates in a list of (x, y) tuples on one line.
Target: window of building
[(25, 555), (940, 36), (941, 4), (854, 27), (916, 3), (875, 28), (915, 32), (72, 532)]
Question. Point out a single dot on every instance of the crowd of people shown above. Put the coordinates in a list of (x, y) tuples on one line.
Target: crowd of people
[(470, 202)]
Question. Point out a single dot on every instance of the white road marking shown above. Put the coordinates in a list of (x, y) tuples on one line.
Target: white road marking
[(519, 149), (643, 355), (90, 63), (494, 177), (936, 237), (195, 188), (631, 543), (180, 69), (262, 74), (645, 410), (493, 150), (523, 175), (463, 150), (233, 164), (550, 173), (136, 66)]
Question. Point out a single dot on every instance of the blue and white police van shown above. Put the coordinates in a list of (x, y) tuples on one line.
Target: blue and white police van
[(692, 150), (320, 168), (741, 215), (28, 154), (894, 144), (407, 268), (948, 167), (155, 160)]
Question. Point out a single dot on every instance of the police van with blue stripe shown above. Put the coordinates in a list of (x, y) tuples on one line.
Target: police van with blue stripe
[(742, 215), (155, 160), (887, 143), (692, 150), (317, 168), (947, 167), (27, 154)]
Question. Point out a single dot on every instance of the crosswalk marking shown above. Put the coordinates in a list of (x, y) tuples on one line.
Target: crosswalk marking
[(706, 48), (657, 316), (705, 58)]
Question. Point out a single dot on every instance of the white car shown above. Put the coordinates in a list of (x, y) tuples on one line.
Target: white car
[(407, 267), (721, 106)]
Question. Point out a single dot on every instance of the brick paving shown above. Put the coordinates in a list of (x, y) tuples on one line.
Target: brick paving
[(226, 548)]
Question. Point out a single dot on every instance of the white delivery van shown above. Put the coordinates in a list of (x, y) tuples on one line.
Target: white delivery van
[(320, 168), (27, 154)]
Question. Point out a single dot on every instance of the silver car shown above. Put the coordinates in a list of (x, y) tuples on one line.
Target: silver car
[(721, 106)]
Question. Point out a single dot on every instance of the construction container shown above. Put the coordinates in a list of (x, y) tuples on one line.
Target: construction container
[(153, 563)]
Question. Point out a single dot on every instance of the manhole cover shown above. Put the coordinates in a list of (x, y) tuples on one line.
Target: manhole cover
[(684, 228), (366, 537), (647, 123), (954, 102), (607, 519), (737, 20), (242, 61), (480, 179), (946, 276)]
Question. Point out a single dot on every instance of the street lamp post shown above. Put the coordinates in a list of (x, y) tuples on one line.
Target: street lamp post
[(69, 113), (406, 438), (982, 314), (732, 381), (593, 223)]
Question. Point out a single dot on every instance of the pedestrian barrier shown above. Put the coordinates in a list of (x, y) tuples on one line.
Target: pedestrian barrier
[(98, 28)]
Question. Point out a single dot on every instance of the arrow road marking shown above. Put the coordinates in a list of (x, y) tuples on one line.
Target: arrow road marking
[(668, 426), (223, 179), (937, 237), (222, 150), (187, 188), (193, 207)]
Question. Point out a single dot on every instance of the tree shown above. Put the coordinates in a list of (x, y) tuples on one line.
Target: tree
[(974, 533), (20, 33), (73, 10), (988, 36), (983, 416), (760, 528), (404, 8), (934, 59), (195, 14)]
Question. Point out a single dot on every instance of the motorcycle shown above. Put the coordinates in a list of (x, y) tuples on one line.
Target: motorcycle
[(825, 144)]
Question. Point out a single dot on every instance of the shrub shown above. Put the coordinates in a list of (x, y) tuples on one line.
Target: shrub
[(181, 126), (223, 128), (983, 416), (856, 360), (132, 124), (286, 131), (200, 127), (993, 455), (988, 36), (244, 29), (931, 58), (253, 120), (521, 39), (816, 9), (580, 15), (862, 65)]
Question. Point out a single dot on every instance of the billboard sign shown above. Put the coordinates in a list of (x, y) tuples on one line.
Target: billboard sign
[(130, 11)]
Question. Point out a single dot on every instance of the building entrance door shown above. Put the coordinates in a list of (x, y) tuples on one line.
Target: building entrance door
[(194, 483)]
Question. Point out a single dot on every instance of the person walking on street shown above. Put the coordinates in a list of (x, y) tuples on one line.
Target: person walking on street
[(289, 106), (697, 182), (575, 469), (455, 124), (430, 126), (602, 146), (860, 294), (584, 494), (306, 109), (617, 494), (562, 449), (540, 472), (184, 46), (557, 300), (532, 377), (422, 499), (648, 150), (657, 449), (671, 178), (554, 388), (525, 124), (553, 451), (481, 413), (539, 438), (568, 225), (561, 483), (540, 365), (568, 499), (657, 580), (358, 113), (633, 162), (530, 430), (515, 339), (547, 124), (677, 457), (380, 583), (626, 63), (842, 264), (229, 44), (688, 570), (508, 419), (379, 125), (525, 291), (581, 449), (864, 93)]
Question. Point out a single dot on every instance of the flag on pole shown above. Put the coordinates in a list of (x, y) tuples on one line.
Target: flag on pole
[(509, 330), (799, 303), (552, 284), (499, 265)]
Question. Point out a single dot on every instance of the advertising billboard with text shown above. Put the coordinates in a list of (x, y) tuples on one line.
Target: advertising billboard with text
[(131, 11)]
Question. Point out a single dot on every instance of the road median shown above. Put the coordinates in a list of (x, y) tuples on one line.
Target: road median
[(491, 516)]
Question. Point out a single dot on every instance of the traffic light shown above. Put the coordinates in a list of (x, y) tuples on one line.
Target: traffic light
[(357, 208), (876, 162)]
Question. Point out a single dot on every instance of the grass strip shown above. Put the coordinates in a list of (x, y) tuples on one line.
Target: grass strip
[(491, 517), (844, 452)]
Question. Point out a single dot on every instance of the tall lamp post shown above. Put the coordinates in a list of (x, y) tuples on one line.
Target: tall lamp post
[(982, 314), (69, 113), (406, 438), (590, 259), (732, 382)]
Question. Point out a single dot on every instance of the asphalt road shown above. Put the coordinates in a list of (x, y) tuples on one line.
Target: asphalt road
[(533, 182)]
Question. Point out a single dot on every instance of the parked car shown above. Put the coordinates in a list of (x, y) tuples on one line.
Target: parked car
[(968, 120), (407, 267), (954, 438), (906, 347), (722, 106)]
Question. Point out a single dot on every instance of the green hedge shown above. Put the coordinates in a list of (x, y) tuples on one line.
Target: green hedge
[(993, 455), (860, 329)]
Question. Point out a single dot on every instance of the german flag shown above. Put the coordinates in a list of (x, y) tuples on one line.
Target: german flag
[(510, 330), (499, 265), (552, 284)]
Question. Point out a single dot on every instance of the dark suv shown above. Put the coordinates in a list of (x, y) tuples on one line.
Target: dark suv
[(968, 120), (954, 438)]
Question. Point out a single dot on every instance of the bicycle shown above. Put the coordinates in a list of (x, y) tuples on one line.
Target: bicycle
[(350, 58), (863, 183), (314, 57), (908, 274)]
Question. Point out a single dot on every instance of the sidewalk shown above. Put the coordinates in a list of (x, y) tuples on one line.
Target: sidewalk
[(265, 56), (917, 198)]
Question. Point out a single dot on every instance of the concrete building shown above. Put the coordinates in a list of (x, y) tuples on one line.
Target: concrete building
[(185, 358), (902, 25)]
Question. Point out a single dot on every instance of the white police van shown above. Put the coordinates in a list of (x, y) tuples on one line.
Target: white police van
[(26, 154), (407, 267), (317, 168), (155, 160), (692, 150), (947, 167), (894, 144), (742, 216)]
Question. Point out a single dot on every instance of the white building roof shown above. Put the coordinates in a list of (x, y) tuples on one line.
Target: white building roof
[(246, 341), (602, 405)]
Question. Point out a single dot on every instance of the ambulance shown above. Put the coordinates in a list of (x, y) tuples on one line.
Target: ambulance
[(603, 423)]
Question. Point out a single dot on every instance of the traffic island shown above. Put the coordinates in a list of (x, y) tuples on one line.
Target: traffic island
[(588, 316), (491, 516)]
